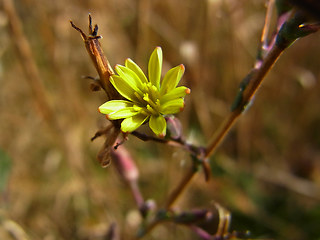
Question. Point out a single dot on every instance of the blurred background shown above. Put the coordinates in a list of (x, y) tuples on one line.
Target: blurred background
[(266, 172)]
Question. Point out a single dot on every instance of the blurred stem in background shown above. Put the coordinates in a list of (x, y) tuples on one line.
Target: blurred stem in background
[(30, 68), (39, 92)]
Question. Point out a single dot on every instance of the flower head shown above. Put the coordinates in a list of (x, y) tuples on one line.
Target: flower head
[(146, 99)]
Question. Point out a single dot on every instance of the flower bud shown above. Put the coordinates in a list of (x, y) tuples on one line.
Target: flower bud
[(195, 216), (174, 127)]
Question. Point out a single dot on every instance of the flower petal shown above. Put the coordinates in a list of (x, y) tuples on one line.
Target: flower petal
[(132, 123), (134, 67), (173, 106), (114, 105), (155, 66), (123, 113), (171, 79), (130, 77), (178, 92), (125, 88), (158, 125)]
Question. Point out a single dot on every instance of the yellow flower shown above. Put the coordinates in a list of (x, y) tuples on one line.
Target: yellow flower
[(146, 99)]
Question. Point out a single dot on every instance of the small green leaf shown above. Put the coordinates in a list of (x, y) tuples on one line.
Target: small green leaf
[(293, 29), (243, 84)]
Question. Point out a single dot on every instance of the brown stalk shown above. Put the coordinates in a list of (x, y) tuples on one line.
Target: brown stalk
[(179, 189), (104, 70), (32, 76), (98, 58), (26, 58), (255, 81)]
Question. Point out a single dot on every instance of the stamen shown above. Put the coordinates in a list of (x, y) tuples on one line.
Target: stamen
[(153, 91), (152, 110), (137, 108), (140, 99), (151, 104), (142, 110), (144, 87)]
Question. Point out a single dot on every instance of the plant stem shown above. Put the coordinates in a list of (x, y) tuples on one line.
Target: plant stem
[(99, 59), (135, 190), (148, 229), (182, 185), (171, 200), (254, 81), (267, 23)]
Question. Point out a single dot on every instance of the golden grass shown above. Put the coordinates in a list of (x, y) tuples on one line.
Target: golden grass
[(266, 172)]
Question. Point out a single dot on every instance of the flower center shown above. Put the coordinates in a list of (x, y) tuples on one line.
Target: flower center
[(149, 102)]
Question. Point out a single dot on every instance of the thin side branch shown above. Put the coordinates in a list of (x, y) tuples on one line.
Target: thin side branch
[(267, 23)]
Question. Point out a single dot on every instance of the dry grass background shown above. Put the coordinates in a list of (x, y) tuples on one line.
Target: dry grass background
[(267, 171)]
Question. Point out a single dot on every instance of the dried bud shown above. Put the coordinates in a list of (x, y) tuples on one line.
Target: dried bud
[(94, 87), (104, 155), (98, 58)]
